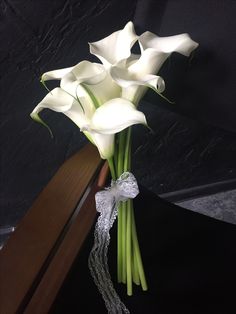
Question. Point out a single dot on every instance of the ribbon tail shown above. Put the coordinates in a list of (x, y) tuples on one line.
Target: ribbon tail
[(98, 262)]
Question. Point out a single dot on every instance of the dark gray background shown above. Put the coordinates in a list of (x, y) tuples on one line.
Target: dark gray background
[(194, 143)]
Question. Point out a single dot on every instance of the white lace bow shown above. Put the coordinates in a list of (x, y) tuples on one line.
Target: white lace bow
[(125, 187)]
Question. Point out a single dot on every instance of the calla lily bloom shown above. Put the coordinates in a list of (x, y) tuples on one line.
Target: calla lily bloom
[(129, 71), (115, 47), (94, 79), (154, 51), (92, 75), (100, 124)]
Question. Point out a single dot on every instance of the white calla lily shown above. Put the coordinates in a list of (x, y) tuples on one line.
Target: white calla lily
[(100, 124), (86, 78), (141, 71), (116, 46), (60, 101), (95, 80)]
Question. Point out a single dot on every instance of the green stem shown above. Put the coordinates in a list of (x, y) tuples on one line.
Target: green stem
[(129, 218), (120, 229), (112, 168), (135, 268), (119, 246), (138, 255), (129, 261), (121, 152), (127, 151), (121, 214), (129, 249), (123, 239), (113, 164)]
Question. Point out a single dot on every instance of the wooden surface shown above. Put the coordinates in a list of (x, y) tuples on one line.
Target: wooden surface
[(28, 254), (62, 261)]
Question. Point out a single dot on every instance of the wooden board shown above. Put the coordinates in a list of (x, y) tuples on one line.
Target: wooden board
[(39, 253)]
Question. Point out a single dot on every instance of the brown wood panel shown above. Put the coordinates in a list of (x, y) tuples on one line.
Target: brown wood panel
[(60, 265), (23, 257)]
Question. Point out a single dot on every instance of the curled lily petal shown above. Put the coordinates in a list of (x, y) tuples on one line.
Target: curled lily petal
[(134, 84), (56, 74), (125, 78), (35, 116), (116, 115), (89, 73), (182, 43), (136, 89), (60, 101), (116, 46), (84, 72), (56, 100), (140, 70)]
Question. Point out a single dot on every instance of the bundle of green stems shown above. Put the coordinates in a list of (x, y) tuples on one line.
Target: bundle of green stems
[(129, 261)]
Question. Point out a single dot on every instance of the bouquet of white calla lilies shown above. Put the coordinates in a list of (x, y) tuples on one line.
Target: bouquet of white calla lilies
[(102, 100)]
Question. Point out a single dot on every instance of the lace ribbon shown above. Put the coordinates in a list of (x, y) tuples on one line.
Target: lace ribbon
[(125, 187)]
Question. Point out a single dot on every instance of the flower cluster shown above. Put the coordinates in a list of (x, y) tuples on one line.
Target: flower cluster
[(102, 99)]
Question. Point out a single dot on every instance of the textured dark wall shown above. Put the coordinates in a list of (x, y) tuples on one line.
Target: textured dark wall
[(207, 91), (37, 36)]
